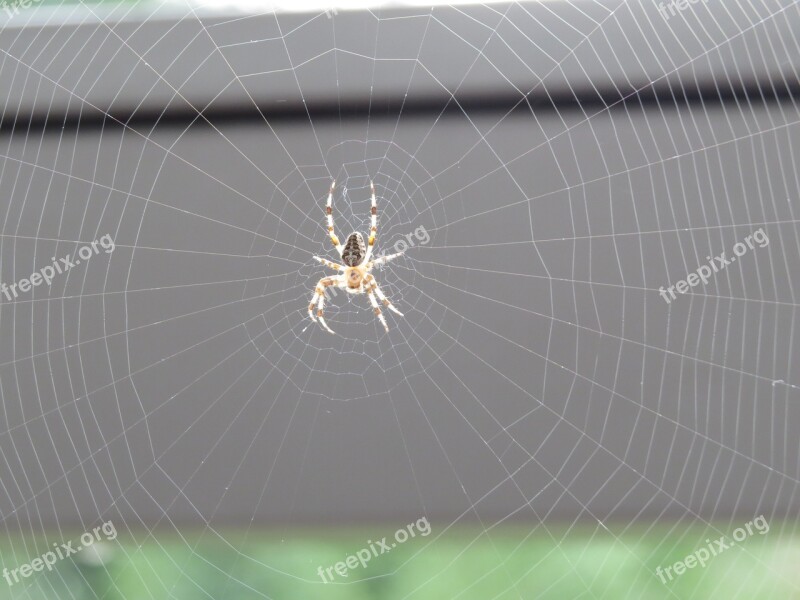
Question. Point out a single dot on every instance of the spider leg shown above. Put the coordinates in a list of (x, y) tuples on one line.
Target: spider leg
[(373, 228), (329, 264), (382, 260), (329, 213), (382, 297), (319, 293), (320, 312), (377, 310)]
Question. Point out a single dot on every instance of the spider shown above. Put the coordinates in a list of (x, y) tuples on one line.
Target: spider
[(354, 275)]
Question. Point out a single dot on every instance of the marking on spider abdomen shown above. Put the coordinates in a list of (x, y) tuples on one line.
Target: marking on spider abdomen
[(354, 250)]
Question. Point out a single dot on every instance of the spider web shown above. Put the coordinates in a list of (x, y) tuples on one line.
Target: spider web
[(564, 160)]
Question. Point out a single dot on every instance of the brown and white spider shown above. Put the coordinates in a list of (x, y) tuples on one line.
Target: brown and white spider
[(354, 275)]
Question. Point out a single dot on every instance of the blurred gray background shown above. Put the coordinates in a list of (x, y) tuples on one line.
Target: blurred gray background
[(564, 171)]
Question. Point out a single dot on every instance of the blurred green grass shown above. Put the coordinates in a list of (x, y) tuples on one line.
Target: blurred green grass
[(508, 563)]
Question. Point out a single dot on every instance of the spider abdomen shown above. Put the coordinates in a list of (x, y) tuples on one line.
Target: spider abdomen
[(354, 250)]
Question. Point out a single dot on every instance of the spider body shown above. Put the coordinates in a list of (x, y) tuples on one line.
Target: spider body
[(354, 250), (354, 275)]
